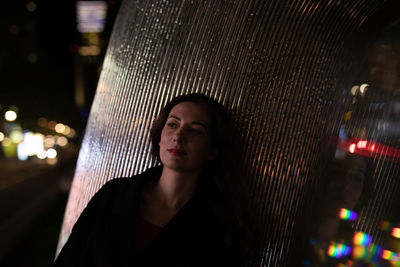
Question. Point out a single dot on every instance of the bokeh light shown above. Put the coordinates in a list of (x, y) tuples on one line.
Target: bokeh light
[(33, 143), (363, 88), (354, 89), (59, 128), (359, 252), (22, 154), (1, 136), (42, 122), (51, 153), (62, 141), (7, 141), (387, 254), (385, 225), (31, 6), (16, 136), (336, 250), (51, 125), (41, 154), (374, 252), (67, 130), (361, 238), (72, 133), (49, 141), (396, 232), (347, 215), (352, 148), (370, 253), (9, 148), (362, 144), (10, 115)]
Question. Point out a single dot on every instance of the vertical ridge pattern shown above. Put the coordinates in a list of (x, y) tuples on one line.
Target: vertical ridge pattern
[(277, 67)]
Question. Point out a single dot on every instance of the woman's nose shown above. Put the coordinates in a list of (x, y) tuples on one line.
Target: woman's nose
[(179, 136)]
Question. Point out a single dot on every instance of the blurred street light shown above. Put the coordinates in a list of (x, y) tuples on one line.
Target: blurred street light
[(10, 115)]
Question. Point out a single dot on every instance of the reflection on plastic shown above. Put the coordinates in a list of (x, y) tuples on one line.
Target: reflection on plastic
[(396, 232), (336, 250), (390, 256), (347, 215), (368, 148), (370, 254), (385, 226), (361, 238), (352, 148)]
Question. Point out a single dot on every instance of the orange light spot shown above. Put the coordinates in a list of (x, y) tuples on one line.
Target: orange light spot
[(396, 232), (386, 254)]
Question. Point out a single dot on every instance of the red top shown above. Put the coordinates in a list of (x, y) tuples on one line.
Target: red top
[(145, 233)]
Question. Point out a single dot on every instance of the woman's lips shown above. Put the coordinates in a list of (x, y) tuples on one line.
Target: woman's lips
[(176, 152)]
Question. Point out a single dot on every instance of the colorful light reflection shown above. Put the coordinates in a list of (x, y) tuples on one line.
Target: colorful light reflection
[(388, 255), (367, 254), (360, 252), (396, 232), (361, 238), (367, 148), (385, 226), (347, 215), (336, 250), (374, 252)]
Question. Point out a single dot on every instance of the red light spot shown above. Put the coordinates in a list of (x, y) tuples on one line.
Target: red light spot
[(372, 148), (352, 148), (362, 144)]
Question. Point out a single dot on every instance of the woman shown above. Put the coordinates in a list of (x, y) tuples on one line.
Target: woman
[(184, 212)]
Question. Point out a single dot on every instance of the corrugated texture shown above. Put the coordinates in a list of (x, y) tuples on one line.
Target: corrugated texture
[(275, 65), (371, 112)]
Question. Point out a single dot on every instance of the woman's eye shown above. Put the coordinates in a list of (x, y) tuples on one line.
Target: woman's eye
[(171, 124), (197, 131)]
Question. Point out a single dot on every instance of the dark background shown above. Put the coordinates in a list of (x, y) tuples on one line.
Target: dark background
[(39, 53), (41, 70)]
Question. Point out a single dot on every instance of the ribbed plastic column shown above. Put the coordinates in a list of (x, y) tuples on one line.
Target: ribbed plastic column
[(275, 65)]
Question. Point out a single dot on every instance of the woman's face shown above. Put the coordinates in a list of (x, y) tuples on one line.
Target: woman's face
[(185, 143)]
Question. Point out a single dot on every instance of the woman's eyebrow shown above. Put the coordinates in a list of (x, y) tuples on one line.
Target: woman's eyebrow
[(175, 117)]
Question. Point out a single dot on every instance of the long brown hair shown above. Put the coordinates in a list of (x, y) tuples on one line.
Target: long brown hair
[(221, 179)]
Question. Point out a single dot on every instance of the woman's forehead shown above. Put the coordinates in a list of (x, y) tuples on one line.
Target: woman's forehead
[(189, 111)]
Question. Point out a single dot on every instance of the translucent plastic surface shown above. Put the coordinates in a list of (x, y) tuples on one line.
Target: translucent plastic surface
[(303, 94)]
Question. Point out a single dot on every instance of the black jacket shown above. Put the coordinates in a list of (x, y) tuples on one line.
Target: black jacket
[(104, 234)]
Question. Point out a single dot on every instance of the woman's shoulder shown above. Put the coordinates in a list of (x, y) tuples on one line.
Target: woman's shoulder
[(120, 188), (122, 182), (118, 194)]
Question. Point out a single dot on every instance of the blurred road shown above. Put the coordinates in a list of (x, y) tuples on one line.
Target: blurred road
[(33, 195)]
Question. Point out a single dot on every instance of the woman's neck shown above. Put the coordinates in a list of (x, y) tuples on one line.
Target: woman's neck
[(175, 189)]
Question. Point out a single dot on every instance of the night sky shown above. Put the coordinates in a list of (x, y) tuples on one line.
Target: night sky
[(38, 54)]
